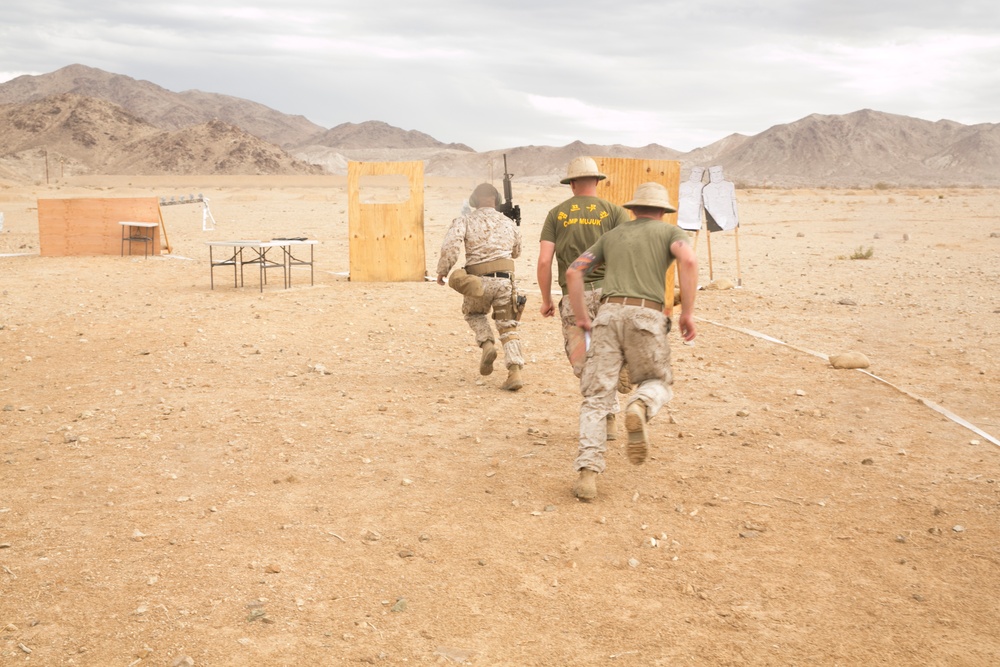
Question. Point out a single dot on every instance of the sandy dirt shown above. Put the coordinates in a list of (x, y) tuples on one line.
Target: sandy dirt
[(319, 476)]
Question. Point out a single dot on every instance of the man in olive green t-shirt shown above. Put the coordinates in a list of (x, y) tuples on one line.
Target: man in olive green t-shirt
[(630, 326), (569, 229)]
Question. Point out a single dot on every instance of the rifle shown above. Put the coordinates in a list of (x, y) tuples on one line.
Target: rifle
[(509, 208)]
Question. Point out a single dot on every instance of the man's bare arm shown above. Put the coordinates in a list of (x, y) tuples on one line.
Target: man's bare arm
[(580, 267), (687, 266)]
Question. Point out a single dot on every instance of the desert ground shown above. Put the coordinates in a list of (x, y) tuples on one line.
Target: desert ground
[(319, 475)]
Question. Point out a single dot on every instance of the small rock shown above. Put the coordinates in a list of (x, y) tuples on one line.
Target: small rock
[(847, 302), (720, 284), (906, 237), (849, 360), (901, 539), (799, 392), (742, 413), (633, 563), (273, 568), (183, 661), (406, 553), (959, 529), (868, 462), (749, 534), (399, 606)]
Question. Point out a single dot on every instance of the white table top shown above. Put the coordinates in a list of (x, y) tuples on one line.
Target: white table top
[(261, 244), (139, 224)]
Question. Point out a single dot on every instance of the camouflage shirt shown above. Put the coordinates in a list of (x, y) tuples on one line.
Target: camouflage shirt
[(485, 233)]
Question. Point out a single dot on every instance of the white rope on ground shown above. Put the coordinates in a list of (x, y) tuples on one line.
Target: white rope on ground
[(933, 406)]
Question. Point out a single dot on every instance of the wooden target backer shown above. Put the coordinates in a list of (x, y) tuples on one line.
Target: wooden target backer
[(70, 227), (624, 175), (386, 221)]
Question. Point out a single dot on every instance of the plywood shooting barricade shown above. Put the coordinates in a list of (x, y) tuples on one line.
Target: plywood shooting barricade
[(93, 226), (239, 254), (624, 175), (386, 238)]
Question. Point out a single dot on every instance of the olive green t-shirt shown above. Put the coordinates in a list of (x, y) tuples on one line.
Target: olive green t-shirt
[(636, 257), (574, 225)]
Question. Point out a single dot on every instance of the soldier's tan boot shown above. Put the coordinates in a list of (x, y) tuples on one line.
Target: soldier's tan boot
[(513, 382), (489, 356), (624, 382), (638, 439), (586, 485), (612, 424)]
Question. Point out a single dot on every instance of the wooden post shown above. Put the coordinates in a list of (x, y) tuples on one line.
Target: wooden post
[(739, 275), (708, 241)]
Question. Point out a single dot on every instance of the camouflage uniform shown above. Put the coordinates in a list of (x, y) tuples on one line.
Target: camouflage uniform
[(487, 235), (622, 334), (636, 256)]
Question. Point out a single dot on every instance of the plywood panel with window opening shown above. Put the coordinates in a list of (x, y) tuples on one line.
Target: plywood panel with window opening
[(386, 221)]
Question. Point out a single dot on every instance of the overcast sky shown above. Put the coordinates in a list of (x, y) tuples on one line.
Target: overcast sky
[(543, 72)]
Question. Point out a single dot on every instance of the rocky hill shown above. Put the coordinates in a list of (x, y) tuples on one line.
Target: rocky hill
[(160, 107), (866, 148), (86, 134), (107, 123)]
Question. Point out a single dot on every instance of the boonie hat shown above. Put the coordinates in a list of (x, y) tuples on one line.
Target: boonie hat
[(483, 190), (582, 167), (652, 195)]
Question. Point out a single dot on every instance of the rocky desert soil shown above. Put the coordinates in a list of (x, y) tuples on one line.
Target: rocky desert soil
[(319, 476)]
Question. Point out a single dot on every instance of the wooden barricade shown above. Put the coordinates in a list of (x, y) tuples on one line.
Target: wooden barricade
[(386, 240), (69, 227), (624, 175)]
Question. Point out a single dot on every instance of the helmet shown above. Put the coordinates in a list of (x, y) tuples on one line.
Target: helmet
[(582, 167), (484, 191)]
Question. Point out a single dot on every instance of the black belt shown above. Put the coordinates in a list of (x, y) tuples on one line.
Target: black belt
[(497, 274)]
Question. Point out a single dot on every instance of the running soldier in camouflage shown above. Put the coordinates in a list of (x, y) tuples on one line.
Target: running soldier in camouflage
[(630, 326), (491, 243)]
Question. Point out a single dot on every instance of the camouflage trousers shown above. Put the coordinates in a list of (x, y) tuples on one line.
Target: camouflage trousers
[(621, 334), (496, 298), (571, 332)]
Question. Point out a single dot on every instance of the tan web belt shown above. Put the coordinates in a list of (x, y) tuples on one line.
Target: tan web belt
[(631, 301), (504, 265)]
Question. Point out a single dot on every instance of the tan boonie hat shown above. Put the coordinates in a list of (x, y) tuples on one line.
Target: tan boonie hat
[(582, 167), (484, 190), (652, 195)]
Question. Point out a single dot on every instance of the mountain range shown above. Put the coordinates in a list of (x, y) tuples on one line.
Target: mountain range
[(90, 121)]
